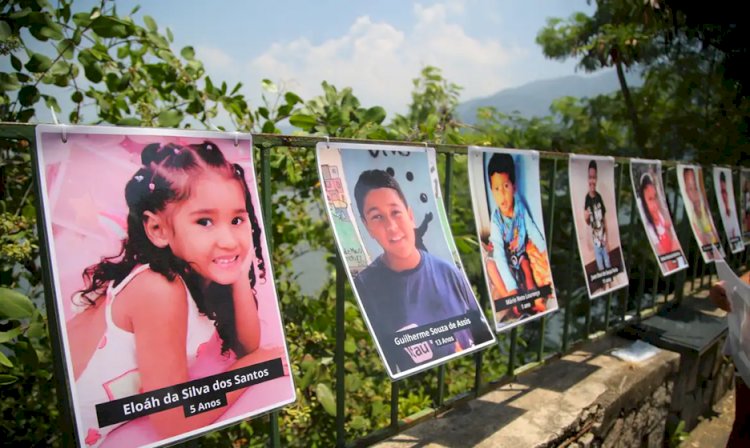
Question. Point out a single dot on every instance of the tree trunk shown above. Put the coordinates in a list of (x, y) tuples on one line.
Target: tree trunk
[(639, 140)]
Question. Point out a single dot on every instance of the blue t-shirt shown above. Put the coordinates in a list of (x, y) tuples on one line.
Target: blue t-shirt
[(517, 230), (431, 292)]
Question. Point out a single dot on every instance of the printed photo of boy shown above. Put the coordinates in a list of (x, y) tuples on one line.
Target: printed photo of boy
[(416, 301), (727, 209), (745, 203), (507, 210), (595, 218)]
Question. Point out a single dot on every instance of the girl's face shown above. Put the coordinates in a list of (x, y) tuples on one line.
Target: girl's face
[(652, 201), (210, 230)]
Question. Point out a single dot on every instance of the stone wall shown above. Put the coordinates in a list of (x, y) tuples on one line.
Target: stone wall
[(588, 398)]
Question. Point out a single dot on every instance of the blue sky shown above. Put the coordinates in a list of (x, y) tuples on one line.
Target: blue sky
[(375, 47)]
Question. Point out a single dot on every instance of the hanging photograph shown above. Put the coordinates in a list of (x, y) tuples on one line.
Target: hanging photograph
[(724, 188), (510, 227), (745, 202), (592, 195), (163, 285), (654, 212), (693, 190), (382, 202)]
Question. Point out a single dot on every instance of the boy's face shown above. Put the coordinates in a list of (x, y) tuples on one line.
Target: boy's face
[(502, 191), (592, 181), (391, 223)]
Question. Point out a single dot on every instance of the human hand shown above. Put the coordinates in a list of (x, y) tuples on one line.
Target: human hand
[(718, 295), (586, 215)]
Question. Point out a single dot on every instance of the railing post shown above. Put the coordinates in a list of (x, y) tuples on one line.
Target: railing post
[(340, 353), (551, 195), (265, 188), (447, 204)]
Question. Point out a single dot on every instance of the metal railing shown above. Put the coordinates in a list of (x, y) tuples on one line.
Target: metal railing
[(648, 291)]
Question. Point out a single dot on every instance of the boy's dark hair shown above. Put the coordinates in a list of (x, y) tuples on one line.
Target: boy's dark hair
[(503, 164), (370, 180), (722, 177), (592, 164)]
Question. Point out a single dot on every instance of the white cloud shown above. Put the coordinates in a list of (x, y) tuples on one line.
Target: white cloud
[(379, 61)]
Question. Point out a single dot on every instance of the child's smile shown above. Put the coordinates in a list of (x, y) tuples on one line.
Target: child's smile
[(391, 224), (210, 229)]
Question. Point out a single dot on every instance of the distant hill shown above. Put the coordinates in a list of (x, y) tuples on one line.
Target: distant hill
[(534, 99)]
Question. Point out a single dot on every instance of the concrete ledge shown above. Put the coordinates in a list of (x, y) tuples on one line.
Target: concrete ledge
[(587, 398)]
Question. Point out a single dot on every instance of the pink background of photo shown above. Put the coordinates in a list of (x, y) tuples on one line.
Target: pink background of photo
[(85, 209)]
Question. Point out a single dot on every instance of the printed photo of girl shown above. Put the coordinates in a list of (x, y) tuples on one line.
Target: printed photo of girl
[(171, 325), (690, 179), (657, 222)]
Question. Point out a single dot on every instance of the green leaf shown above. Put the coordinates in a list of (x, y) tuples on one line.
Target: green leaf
[(51, 31), (77, 96), (36, 330), (6, 336), (91, 67), (359, 423), (51, 103), (5, 31), (326, 398), (349, 346), (14, 305), (9, 81), (268, 127), (292, 98), (59, 68), (269, 86), (302, 121), (109, 26), (375, 115), (150, 23), (28, 95), (7, 379), (188, 53), (170, 118), (82, 19), (170, 36), (129, 121), (16, 63), (38, 63), (4, 360), (65, 47)]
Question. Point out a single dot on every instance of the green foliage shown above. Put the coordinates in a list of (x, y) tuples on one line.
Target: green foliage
[(432, 112)]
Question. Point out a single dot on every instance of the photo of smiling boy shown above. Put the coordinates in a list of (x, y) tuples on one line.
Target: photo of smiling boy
[(406, 288), (406, 276), (592, 197), (507, 210)]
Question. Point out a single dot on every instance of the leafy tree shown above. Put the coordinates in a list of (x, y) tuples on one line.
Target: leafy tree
[(619, 34), (432, 111)]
